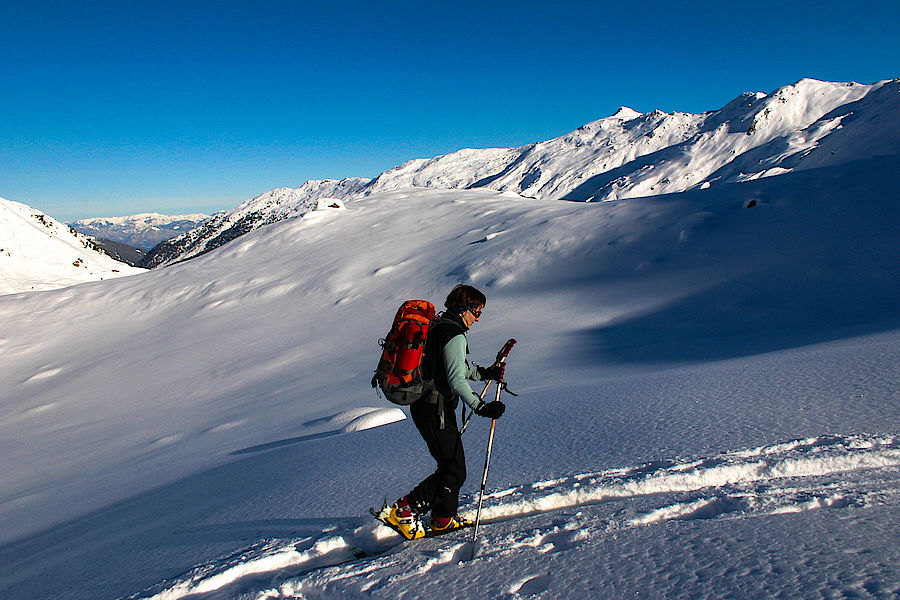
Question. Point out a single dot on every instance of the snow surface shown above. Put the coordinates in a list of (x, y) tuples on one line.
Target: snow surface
[(707, 403), (38, 252)]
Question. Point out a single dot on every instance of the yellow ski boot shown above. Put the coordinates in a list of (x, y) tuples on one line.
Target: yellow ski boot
[(405, 520), (441, 525)]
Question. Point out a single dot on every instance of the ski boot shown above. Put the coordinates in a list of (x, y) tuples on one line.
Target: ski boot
[(445, 524), (405, 520)]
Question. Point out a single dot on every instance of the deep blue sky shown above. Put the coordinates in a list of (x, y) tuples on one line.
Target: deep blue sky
[(113, 108)]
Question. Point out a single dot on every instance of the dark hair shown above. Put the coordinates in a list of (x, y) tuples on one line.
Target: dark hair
[(464, 296)]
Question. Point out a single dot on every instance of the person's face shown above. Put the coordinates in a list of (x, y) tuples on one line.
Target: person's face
[(472, 315)]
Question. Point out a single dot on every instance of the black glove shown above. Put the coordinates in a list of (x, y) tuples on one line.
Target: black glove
[(494, 372), (491, 410)]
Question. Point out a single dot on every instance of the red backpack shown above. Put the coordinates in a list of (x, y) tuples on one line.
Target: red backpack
[(399, 372)]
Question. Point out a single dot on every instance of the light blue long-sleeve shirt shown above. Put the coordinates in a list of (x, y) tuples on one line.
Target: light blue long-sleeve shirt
[(459, 370)]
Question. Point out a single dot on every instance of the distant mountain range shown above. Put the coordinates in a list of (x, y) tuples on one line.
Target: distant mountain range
[(142, 231), (805, 125)]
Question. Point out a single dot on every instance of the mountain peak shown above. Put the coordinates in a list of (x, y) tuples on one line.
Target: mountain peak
[(626, 114)]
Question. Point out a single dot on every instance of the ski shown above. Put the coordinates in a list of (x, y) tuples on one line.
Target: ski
[(429, 532)]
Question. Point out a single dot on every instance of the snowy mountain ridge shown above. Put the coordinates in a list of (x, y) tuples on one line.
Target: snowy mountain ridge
[(144, 230), (38, 252), (631, 154), (275, 205), (804, 125)]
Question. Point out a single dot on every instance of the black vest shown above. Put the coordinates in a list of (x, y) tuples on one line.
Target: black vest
[(442, 331)]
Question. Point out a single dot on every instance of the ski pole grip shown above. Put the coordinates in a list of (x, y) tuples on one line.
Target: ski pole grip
[(504, 351), (501, 358)]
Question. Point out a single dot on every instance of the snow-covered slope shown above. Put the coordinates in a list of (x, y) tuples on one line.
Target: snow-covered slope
[(805, 125), (707, 403), (273, 206), (39, 253), (141, 231)]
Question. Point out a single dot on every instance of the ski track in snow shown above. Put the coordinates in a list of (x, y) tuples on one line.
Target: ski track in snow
[(825, 472)]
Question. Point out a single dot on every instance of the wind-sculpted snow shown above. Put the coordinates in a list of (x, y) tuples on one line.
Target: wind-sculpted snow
[(360, 419), (821, 473)]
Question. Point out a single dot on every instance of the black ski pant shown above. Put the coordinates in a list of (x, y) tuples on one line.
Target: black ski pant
[(439, 492)]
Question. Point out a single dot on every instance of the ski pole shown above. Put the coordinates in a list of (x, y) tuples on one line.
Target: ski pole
[(501, 360), (487, 462), (480, 397)]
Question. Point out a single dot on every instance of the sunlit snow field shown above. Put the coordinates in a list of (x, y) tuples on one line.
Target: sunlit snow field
[(707, 404)]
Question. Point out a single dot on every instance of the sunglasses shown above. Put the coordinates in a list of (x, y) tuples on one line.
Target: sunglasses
[(476, 312)]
